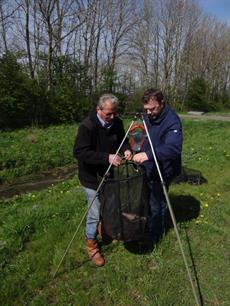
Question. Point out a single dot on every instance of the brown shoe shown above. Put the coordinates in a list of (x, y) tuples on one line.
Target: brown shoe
[(93, 252)]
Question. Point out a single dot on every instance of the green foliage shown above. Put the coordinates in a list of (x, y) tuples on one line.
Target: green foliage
[(36, 228), (70, 94), (69, 97), (134, 102), (67, 105), (109, 80), (24, 101), (15, 103), (197, 95), (224, 102)]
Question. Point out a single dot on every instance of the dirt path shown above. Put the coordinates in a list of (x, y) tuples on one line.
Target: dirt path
[(37, 181)]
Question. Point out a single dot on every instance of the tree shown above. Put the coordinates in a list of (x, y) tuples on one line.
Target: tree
[(14, 93), (197, 95)]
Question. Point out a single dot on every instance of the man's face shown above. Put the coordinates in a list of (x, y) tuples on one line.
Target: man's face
[(108, 112), (153, 108)]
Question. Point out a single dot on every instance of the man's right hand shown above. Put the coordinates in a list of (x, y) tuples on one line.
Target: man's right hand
[(114, 160)]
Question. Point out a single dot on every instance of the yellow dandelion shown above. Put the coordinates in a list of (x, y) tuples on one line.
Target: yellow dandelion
[(202, 216), (206, 205)]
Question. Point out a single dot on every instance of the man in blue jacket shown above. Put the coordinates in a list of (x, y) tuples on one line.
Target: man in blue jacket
[(165, 132)]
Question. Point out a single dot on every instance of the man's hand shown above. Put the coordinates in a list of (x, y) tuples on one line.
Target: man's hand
[(140, 158), (114, 160), (128, 155)]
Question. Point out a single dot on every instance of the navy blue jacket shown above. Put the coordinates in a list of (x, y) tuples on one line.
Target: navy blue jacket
[(166, 136)]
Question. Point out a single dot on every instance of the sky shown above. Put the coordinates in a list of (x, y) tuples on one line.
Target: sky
[(218, 8)]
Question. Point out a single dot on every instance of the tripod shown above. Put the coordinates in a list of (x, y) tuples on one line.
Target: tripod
[(166, 198)]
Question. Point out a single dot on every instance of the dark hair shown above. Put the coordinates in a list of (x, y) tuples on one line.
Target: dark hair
[(153, 93)]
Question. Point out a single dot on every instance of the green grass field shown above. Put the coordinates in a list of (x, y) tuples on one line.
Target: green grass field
[(36, 228), (29, 151)]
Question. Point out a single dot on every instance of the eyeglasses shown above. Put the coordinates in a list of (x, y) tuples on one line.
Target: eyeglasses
[(152, 109), (108, 114), (149, 109)]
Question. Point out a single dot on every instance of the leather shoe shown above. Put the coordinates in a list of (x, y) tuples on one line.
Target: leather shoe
[(94, 253)]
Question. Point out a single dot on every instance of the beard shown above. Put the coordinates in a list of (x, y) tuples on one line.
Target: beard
[(153, 116)]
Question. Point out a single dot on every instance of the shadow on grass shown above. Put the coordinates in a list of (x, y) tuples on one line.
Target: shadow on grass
[(185, 208), (190, 176), (194, 269)]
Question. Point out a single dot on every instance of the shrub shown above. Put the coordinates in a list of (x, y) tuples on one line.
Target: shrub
[(197, 95)]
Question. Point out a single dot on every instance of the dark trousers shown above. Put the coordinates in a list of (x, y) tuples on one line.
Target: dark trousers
[(157, 209)]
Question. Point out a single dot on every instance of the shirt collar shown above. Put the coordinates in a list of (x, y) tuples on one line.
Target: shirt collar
[(105, 125)]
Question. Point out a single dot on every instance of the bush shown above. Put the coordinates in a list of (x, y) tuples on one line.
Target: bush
[(134, 102), (15, 94), (197, 95)]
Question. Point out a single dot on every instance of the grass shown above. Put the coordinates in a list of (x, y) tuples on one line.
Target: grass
[(36, 228), (220, 113), (32, 150)]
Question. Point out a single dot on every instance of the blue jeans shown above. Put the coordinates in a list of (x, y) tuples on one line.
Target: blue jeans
[(157, 209), (93, 216)]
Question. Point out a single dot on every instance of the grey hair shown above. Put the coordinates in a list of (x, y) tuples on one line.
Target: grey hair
[(112, 99)]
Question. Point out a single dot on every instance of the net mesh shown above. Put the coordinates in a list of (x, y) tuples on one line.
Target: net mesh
[(124, 200)]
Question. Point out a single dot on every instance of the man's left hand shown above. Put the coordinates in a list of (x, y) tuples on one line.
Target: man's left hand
[(140, 158)]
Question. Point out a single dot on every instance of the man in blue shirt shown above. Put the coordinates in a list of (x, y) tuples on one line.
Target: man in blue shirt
[(165, 131)]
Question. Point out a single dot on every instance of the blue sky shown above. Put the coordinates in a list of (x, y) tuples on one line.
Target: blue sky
[(218, 8)]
